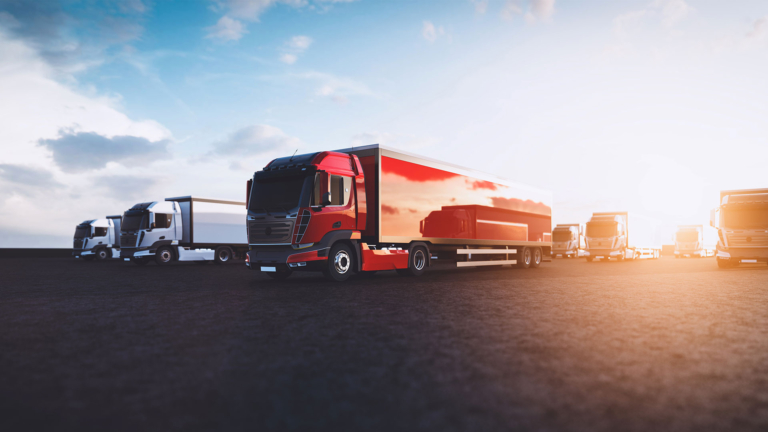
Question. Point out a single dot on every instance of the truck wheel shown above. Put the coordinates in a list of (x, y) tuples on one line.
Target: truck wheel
[(524, 258), (102, 254), (139, 261), (223, 254), (164, 255), (536, 261), (417, 262), (340, 263)]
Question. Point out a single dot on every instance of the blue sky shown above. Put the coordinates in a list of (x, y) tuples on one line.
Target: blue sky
[(648, 106)]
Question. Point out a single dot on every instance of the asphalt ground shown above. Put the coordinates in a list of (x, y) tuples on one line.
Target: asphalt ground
[(662, 344)]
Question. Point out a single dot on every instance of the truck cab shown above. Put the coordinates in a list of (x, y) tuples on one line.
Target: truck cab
[(148, 227), (689, 241), (606, 237), (741, 221), (97, 239), (568, 241)]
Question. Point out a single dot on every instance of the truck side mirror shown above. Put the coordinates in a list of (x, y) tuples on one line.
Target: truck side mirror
[(326, 199), (152, 226)]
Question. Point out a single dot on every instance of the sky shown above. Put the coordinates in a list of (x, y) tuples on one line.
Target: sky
[(645, 106)]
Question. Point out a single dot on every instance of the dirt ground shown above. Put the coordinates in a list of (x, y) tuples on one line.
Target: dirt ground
[(665, 344)]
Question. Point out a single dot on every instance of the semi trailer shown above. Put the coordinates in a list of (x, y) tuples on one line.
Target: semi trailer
[(741, 221), (692, 241), (97, 239), (372, 208), (184, 229), (568, 241), (620, 236)]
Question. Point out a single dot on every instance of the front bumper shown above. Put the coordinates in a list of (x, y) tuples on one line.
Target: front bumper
[(128, 253), (689, 253), (285, 257), (745, 255), (556, 252), (602, 253)]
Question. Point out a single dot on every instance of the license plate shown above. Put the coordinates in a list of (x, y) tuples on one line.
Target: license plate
[(749, 261), (269, 269)]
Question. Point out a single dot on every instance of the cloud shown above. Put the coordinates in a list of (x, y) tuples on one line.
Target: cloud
[(127, 186), (295, 46), (672, 11), (226, 29), (759, 29), (540, 10), (256, 140), (481, 6), (288, 58), (510, 9), (27, 176), (430, 32), (77, 152), (300, 43), (338, 89)]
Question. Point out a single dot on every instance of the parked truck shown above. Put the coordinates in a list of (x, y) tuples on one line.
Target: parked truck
[(97, 239), (372, 208), (742, 227), (693, 241), (568, 241), (619, 236), (184, 229)]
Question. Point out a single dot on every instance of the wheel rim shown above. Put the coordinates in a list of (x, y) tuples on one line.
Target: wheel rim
[(165, 255), (419, 260), (527, 256), (341, 262), (102, 254), (224, 256), (537, 256)]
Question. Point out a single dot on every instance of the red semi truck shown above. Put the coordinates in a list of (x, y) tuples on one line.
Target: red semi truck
[(371, 208)]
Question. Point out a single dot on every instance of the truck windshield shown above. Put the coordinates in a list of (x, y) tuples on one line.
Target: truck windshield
[(603, 229), (134, 221), (561, 236), (687, 236), (746, 218), (276, 194), (82, 231)]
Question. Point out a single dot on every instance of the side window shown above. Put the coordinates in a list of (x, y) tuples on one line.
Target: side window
[(99, 232), (162, 220), (340, 189)]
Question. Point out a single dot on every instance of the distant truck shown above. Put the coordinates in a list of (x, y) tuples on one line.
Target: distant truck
[(568, 241), (619, 236), (371, 208), (742, 227), (97, 239), (184, 229), (690, 241)]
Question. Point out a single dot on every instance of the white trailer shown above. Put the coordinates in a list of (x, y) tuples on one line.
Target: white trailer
[(568, 241), (620, 236), (184, 229), (97, 238), (694, 241)]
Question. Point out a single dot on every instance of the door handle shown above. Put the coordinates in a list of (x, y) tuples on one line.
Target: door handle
[(162, 237), (337, 224)]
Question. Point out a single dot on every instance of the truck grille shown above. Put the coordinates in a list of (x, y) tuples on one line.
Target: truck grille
[(757, 239), (270, 232), (128, 240), (78, 243)]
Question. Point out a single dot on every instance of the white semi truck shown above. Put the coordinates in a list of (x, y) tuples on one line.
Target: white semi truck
[(693, 241), (97, 238), (184, 229), (742, 227), (621, 236), (568, 241)]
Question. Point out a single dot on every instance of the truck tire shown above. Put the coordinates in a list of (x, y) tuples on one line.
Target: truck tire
[(223, 254), (140, 261), (164, 255), (417, 262), (102, 254), (340, 263), (536, 261), (524, 258)]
